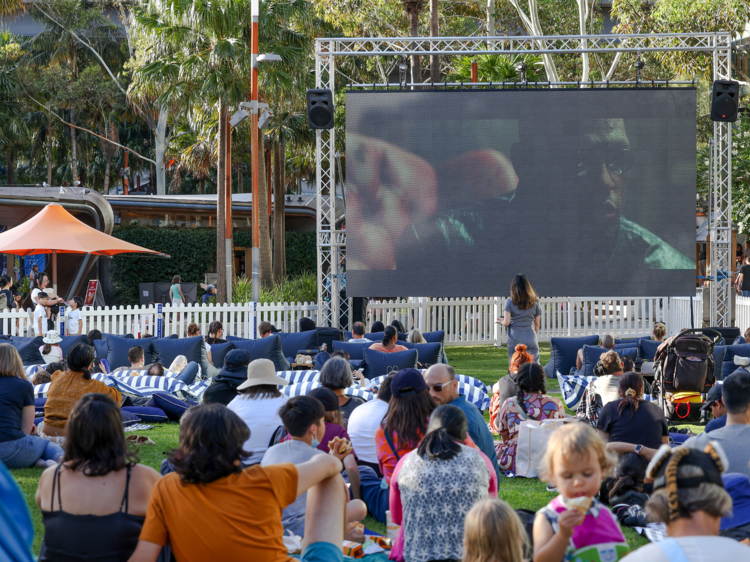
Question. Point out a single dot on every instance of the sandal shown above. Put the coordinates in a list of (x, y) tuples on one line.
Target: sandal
[(139, 440)]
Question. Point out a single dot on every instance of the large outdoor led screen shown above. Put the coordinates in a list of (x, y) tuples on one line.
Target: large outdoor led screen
[(588, 192)]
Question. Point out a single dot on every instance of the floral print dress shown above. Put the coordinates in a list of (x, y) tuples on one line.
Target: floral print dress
[(538, 407)]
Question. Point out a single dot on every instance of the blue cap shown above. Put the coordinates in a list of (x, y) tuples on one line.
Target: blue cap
[(738, 488), (407, 382)]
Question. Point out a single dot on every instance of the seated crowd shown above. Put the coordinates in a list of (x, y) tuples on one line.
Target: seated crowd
[(253, 465)]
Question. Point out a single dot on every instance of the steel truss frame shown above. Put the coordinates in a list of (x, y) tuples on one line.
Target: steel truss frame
[(331, 243)]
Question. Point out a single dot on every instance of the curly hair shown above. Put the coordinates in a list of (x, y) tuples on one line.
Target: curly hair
[(211, 440), (611, 362)]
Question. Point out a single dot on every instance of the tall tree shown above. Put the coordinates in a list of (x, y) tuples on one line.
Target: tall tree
[(413, 8)]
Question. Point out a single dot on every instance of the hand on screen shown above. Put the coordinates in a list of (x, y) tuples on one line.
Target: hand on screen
[(390, 189)]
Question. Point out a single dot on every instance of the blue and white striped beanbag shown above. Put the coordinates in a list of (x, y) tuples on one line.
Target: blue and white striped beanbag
[(299, 376), (573, 388), (303, 388)]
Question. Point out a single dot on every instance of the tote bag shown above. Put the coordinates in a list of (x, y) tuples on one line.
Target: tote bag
[(533, 436)]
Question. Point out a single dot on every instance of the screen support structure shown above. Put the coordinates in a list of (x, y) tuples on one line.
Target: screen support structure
[(331, 242)]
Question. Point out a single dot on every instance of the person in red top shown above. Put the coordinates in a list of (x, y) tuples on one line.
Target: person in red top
[(390, 337), (213, 509)]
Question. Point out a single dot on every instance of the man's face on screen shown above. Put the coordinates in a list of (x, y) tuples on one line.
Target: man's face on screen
[(595, 165)]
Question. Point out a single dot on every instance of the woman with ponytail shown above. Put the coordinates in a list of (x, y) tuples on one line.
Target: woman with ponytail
[(67, 388), (531, 402), (631, 424), (435, 486)]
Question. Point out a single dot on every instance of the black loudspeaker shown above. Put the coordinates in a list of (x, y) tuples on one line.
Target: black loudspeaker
[(359, 309), (320, 109), (725, 99)]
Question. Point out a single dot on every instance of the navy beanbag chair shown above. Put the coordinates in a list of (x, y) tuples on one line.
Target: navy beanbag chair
[(563, 352), (355, 348), (738, 340), (730, 351), (631, 342), (264, 348), (172, 406), (102, 350), (28, 349), (147, 414), (592, 354), (647, 349), (118, 347), (428, 353), (69, 342), (219, 352), (194, 349), (378, 363), (293, 343)]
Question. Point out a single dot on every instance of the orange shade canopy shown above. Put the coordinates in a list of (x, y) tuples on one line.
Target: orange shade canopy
[(55, 230)]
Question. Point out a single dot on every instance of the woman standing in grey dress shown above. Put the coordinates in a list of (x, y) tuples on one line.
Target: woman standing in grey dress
[(521, 316)]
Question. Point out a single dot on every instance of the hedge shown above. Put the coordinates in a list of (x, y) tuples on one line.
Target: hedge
[(193, 252)]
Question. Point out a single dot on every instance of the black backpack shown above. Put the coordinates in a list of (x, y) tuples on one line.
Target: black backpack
[(686, 364)]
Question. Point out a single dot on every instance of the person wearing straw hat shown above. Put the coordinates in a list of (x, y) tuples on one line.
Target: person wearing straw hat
[(51, 352), (257, 404), (690, 499)]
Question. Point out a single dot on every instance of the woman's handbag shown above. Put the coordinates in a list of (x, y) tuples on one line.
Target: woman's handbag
[(532, 441)]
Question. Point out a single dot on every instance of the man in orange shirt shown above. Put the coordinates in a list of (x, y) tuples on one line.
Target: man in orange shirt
[(212, 509)]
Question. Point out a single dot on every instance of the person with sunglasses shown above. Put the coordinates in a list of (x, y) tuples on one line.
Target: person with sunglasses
[(443, 386)]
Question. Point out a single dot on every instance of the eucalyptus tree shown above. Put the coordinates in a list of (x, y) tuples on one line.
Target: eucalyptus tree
[(76, 35)]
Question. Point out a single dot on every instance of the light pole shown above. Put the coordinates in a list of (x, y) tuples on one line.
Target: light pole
[(254, 107), (255, 252)]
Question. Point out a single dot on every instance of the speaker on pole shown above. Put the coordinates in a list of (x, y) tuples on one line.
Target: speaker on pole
[(725, 99), (320, 109)]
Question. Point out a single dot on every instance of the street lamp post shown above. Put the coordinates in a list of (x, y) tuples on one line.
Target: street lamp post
[(255, 252)]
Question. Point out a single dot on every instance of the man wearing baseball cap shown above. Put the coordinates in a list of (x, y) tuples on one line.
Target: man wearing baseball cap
[(715, 403)]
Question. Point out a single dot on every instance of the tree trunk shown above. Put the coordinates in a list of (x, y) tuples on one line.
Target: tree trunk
[(240, 180), (416, 70), (279, 259), (11, 168), (202, 186), (434, 32), (161, 140), (221, 282), (264, 231), (49, 152), (107, 170), (73, 153)]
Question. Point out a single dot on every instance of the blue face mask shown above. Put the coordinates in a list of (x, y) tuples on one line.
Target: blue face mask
[(315, 442)]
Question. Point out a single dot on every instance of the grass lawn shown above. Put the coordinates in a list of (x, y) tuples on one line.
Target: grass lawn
[(486, 363)]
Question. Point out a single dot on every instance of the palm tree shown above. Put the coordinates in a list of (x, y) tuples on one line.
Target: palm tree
[(413, 9)]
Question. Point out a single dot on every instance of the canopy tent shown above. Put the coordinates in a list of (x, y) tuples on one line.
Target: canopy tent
[(54, 230)]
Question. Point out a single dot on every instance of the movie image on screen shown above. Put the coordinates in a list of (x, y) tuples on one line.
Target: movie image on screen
[(588, 192)]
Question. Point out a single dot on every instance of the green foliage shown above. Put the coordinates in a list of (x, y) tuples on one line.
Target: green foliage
[(193, 252), (301, 255), (293, 289), (498, 68)]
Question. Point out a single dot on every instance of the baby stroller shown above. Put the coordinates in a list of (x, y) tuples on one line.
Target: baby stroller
[(683, 373)]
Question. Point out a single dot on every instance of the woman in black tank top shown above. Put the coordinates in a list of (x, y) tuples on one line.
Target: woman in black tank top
[(96, 447), (69, 537)]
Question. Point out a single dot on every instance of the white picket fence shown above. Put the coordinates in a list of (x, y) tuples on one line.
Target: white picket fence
[(742, 313), (466, 321), (239, 320), (473, 321)]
